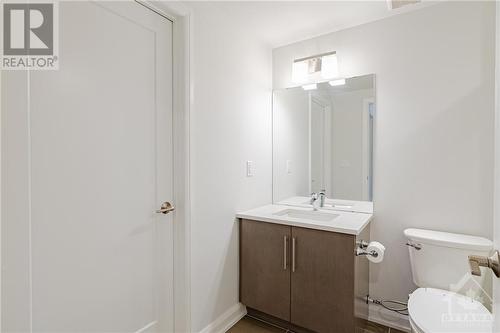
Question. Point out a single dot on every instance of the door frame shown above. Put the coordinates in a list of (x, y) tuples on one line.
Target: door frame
[(180, 16), (496, 196)]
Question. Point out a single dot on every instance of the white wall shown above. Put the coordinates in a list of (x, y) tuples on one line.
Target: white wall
[(320, 158), (434, 125), (230, 124), (347, 144), (291, 143)]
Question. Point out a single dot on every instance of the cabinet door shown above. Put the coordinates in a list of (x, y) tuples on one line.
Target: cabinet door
[(265, 267), (322, 281)]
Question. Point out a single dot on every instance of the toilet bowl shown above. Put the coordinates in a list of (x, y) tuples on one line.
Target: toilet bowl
[(441, 311), (447, 298)]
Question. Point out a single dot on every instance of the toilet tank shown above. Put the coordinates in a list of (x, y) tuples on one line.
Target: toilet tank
[(442, 262)]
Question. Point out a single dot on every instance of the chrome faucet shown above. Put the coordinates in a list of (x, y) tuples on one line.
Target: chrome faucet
[(322, 198)]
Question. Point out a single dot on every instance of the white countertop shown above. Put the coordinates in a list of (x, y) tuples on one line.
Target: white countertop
[(332, 204), (345, 222)]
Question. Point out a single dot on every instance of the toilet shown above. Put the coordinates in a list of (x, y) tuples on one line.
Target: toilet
[(449, 299)]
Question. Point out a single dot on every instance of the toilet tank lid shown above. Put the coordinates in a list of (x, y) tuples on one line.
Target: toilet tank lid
[(448, 239)]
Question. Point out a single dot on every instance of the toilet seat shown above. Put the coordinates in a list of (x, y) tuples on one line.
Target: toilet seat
[(440, 311)]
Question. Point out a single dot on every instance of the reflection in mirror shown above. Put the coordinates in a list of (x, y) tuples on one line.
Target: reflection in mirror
[(323, 141)]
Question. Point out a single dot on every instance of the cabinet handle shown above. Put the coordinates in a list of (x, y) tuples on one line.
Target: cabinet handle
[(284, 252), (293, 254)]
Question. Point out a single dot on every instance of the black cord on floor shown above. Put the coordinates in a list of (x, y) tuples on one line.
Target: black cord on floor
[(391, 305)]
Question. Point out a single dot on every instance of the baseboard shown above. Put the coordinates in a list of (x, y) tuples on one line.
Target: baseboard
[(225, 321), (388, 318), (377, 314)]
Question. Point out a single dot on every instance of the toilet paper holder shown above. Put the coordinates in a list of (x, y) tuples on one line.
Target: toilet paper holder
[(361, 249), (362, 252)]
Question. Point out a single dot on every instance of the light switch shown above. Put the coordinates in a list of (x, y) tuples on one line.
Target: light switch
[(250, 169), (288, 167)]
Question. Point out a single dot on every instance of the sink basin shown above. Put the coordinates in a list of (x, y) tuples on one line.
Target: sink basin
[(306, 215)]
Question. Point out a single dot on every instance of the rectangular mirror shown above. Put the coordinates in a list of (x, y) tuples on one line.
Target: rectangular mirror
[(323, 141)]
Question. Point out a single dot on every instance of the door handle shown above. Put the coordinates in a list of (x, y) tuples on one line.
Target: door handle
[(293, 254), (166, 208), (492, 262), (284, 252)]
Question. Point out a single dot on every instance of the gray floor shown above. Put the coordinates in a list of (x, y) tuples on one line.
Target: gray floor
[(250, 325)]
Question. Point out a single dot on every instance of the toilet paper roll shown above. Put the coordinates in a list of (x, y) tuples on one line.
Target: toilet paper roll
[(377, 248)]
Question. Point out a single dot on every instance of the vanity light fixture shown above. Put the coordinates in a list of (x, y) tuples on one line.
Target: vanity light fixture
[(300, 72), (315, 68), (312, 86), (329, 66), (339, 82)]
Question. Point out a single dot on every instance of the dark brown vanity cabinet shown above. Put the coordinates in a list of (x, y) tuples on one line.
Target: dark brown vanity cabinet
[(264, 268), (305, 279)]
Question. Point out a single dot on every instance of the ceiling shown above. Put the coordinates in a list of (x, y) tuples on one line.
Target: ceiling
[(295, 21), (279, 23)]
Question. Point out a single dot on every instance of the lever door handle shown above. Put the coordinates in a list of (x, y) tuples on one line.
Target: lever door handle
[(166, 208), (493, 262)]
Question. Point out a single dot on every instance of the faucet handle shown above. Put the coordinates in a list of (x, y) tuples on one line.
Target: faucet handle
[(493, 262)]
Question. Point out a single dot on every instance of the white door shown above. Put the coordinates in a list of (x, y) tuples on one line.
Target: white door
[(86, 161)]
